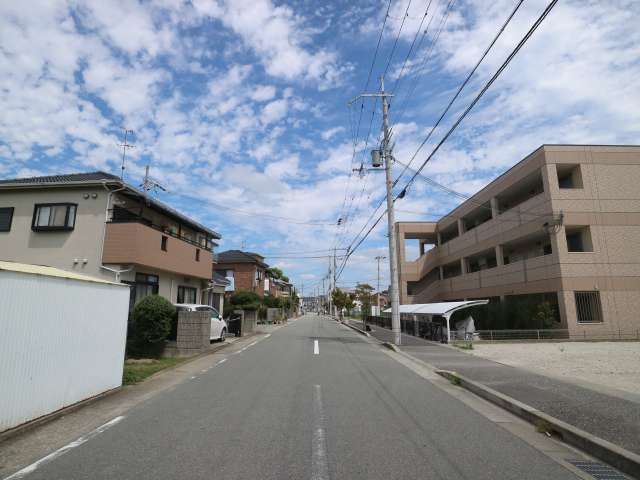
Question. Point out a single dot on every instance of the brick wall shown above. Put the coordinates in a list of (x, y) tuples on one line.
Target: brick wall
[(244, 276)]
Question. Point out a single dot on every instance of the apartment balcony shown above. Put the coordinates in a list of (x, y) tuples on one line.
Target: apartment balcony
[(139, 243)]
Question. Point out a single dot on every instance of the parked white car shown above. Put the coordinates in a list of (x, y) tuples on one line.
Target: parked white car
[(218, 325)]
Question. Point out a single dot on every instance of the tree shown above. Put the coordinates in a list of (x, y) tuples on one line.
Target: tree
[(349, 304), (245, 300), (274, 272), (340, 299), (363, 294)]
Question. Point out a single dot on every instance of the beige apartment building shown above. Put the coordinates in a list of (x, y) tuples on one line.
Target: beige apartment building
[(97, 225), (562, 224)]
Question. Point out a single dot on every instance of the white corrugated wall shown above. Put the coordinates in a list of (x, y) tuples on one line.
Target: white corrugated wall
[(61, 341)]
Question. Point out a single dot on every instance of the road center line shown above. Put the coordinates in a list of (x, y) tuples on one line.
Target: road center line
[(61, 451), (319, 464), (316, 348)]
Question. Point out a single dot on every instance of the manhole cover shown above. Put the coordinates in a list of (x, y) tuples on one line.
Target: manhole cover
[(598, 470)]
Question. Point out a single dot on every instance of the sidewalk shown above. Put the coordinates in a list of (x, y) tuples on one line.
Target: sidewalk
[(609, 417)]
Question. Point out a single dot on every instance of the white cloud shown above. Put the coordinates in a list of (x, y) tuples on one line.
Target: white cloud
[(328, 134), (262, 93), (274, 111)]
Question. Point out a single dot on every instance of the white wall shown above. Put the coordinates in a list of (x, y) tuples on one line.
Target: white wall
[(61, 341)]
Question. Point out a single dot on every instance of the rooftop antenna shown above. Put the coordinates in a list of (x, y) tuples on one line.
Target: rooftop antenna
[(149, 184), (124, 146)]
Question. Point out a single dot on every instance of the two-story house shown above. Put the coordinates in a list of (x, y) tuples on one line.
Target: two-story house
[(98, 225), (245, 271), (563, 225)]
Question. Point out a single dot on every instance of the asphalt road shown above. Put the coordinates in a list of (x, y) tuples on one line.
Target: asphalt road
[(277, 410)]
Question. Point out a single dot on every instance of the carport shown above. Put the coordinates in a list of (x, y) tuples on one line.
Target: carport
[(443, 309)]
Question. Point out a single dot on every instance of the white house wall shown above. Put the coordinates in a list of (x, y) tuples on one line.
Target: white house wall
[(62, 341)]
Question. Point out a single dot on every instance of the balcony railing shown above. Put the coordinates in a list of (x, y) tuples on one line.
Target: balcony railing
[(121, 215)]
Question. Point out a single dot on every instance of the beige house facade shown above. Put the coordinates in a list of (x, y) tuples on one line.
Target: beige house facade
[(97, 225), (562, 224)]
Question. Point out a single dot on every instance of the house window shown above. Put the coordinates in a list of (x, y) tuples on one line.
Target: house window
[(143, 286), (54, 216), (197, 254), (6, 216), (579, 239), (187, 294), (588, 307), (163, 243), (547, 250)]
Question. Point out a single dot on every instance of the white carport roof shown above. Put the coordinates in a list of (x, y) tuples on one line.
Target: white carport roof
[(440, 308)]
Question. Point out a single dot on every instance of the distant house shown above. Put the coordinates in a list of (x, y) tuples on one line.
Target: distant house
[(97, 225), (244, 270)]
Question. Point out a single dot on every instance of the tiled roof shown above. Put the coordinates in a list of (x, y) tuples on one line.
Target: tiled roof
[(65, 178), (238, 256), (97, 178)]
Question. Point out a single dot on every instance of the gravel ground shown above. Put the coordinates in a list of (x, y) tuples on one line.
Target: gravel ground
[(610, 364)]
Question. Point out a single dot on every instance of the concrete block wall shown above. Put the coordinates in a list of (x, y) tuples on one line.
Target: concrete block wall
[(194, 331)]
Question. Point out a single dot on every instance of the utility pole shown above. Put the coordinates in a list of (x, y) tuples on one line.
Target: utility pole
[(388, 158), (393, 267), (378, 258)]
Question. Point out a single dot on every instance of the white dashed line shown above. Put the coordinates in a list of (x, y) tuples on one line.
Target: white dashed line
[(316, 348), (61, 451), (267, 335), (221, 361), (251, 344), (319, 464)]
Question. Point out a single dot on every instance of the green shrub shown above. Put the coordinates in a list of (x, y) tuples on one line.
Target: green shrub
[(150, 325), (245, 300)]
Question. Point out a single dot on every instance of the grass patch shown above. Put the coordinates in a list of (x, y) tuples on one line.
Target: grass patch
[(455, 380), (464, 345), (136, 371), (543, 426)]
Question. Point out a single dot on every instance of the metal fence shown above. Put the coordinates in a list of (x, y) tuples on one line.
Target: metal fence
[(435, 331)]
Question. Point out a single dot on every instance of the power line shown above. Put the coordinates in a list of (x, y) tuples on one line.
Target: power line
[(395, 43), (464, 84), (403, 192), (504, 65)]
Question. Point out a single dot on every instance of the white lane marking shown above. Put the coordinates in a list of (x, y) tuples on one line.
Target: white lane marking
[(251, 344), (192, 377), (221, 361), (267, 335), (319, 464), (61, 451), (316, 348)]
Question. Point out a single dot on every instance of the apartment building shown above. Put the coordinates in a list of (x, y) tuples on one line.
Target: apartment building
[(244, 270), (97, 225), (561, 225)]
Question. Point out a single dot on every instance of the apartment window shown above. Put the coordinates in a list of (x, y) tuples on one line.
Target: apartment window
[(187, 294), (197, 254), (569, 176), (579, 239), (6, 216), (588, 307), (163, 243), (54, 216)]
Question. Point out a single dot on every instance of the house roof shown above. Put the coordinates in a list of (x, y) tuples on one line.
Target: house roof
[(238, 256), (98, 179), (43, 270)]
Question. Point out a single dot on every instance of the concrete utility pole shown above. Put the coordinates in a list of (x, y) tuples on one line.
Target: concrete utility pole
[(393, 267), (378, 258), (388, 158)]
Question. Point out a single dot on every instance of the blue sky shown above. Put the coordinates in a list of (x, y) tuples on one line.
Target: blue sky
[(241, 106)]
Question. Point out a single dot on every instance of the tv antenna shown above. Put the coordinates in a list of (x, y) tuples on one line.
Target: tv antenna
[(125, 146), (149, 184)]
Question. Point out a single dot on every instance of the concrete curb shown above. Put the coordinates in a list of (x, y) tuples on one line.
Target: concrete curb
[(624, 460), (361, 332), (391, 346)]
